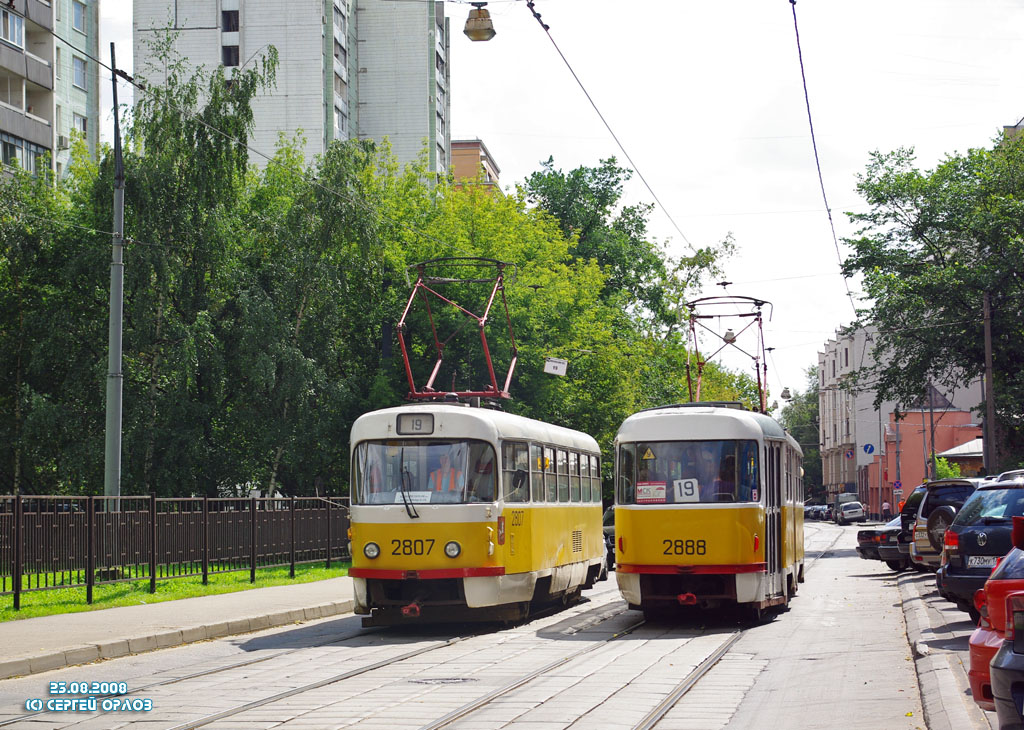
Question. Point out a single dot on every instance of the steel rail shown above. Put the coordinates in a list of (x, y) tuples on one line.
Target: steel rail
[(206, 720), (476, 704), (203, 673), (654, 716)]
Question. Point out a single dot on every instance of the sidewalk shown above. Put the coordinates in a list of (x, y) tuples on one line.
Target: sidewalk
[(52, 642), (938, 634)]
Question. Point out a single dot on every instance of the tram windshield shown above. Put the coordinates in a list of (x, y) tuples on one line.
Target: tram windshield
[(418, 471), (673, 472)]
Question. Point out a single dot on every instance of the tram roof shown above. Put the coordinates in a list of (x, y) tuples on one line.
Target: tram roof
[(472, 422), (731, 416)]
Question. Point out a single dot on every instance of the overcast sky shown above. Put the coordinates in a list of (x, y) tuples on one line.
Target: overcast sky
[(706, 98)]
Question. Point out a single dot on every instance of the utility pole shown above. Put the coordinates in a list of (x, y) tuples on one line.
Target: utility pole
[(115, 378), (931, 421), (989, 454)]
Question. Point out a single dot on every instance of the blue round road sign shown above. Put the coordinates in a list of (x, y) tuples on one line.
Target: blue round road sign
[(869, 448)]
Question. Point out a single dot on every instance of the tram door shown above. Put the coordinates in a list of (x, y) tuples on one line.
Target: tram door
[(773, 517)]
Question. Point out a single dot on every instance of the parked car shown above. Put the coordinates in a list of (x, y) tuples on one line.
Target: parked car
[(1006, 670), (941, 501), (907, 515), (850, 512), (825, 513), (978, 537), (871, 542), (609, 535), (985, 642), (889, 548)]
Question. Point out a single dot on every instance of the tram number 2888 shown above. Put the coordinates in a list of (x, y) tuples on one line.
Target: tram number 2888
[(684, 547)]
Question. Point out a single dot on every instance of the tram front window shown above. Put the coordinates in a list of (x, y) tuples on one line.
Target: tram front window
[(681, 472), (423, 472)]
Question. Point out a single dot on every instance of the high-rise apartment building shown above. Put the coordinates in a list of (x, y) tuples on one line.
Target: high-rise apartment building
[(49, 84), (370, 70)]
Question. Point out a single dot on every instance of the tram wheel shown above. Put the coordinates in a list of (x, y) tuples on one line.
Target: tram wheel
[(753, 613)]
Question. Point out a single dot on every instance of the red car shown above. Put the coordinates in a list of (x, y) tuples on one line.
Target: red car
[(1007, 578)]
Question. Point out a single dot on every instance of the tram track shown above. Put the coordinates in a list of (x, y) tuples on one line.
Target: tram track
[(264, 701), (649, 721), (205, 673)]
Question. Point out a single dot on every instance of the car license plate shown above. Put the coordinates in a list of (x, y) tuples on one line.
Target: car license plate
[(981, 561)]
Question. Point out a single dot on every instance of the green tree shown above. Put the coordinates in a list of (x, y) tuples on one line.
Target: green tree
[(945, 470), (800, 418), (933, 243)]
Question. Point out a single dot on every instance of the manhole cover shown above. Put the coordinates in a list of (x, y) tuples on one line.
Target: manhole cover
[(443, 680)]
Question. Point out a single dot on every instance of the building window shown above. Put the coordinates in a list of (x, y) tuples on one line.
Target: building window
[(846, 357), (60, 119), (79, 123), (340, 87), (229, 21), (339, 19), (229, 55), (59, 66), (78, 20), (80, 69), (340, 54), (10, 152), (12, 28)]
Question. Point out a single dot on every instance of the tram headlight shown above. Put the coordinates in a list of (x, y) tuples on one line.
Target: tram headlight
[(452, 549), (371, 550)]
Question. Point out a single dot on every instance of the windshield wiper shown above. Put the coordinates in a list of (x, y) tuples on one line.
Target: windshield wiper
[(405, 488)]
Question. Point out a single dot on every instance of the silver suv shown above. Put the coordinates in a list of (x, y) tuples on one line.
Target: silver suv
[(942, 499)]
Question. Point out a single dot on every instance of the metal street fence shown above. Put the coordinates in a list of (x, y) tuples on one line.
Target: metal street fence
[(49, 542)]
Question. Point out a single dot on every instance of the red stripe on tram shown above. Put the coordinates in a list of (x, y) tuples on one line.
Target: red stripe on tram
[(686, 569), (425, 574)]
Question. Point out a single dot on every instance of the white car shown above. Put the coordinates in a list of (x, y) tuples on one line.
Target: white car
[(850, 512)]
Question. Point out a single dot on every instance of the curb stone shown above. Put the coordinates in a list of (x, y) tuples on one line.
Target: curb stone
[(946, 706)]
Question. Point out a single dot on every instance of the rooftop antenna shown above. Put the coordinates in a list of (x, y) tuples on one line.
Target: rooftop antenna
[(696, 362)]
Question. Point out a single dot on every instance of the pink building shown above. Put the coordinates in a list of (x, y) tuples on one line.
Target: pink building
[(907, 457)]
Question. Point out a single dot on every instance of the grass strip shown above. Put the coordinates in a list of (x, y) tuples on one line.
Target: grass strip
[(136, 593)]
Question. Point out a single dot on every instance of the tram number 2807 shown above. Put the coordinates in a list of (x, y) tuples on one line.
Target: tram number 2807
[(412, 547), (684, 547)]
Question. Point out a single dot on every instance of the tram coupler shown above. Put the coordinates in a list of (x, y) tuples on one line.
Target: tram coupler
[(687, 599), (412, 610)]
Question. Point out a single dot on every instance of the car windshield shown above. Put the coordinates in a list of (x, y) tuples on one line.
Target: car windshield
[(991, 505), (850, 506), (656, 472), (913, 501), (609, 517), (420, 471), (894, 522)]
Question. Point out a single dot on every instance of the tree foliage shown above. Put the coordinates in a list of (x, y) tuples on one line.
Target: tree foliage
[(259, 303), (933, 243), (800, 418)]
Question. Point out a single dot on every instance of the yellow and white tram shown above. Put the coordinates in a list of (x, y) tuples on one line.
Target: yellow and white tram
[(709, 508), (467, 513)]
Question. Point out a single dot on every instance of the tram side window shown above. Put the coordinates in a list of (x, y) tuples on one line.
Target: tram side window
[(595, 479), (584, 478), (574, 476), (515, 465), (624, 471), (562, 465), (537, 472), (549, 474)]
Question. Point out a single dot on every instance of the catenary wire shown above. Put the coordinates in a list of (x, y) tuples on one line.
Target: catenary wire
[(547, 32), (817, 158)]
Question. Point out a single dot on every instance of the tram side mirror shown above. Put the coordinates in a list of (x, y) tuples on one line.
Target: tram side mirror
[(1017, 536)]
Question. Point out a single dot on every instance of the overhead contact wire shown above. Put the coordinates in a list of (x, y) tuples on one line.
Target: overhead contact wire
[(817, 158)]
